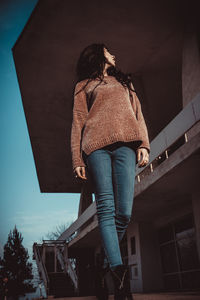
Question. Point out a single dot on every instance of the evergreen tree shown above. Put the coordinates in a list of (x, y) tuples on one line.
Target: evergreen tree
[(15, 266)]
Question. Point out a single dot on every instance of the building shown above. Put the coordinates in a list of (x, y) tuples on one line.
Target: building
[(160, 45)]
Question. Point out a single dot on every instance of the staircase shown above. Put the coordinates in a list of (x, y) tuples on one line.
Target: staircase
[(60, 285), (55, 269)]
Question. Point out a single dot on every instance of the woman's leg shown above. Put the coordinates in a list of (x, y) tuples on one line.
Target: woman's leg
[(123, 170), (124, 162), (99, 164)]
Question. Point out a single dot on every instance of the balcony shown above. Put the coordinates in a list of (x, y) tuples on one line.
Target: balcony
[(175, 153)]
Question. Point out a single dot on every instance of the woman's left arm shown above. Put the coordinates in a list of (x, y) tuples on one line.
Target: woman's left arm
[(141, 122)]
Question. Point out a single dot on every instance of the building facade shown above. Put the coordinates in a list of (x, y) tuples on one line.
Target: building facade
[(160, 45)]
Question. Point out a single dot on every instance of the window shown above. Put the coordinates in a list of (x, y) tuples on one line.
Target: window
[(179, 256), (134, 271)]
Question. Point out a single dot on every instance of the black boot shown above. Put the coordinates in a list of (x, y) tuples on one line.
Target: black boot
[(101, 285), (121, 279)]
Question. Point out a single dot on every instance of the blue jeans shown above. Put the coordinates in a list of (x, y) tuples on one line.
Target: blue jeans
[(113, 176)]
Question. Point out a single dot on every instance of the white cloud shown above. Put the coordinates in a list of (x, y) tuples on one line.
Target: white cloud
[(42, 223), (34, 227)]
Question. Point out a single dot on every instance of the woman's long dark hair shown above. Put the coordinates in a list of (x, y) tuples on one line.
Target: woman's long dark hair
[(91, 64)]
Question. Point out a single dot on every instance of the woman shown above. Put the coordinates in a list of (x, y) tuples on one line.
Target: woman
[(108, 136)]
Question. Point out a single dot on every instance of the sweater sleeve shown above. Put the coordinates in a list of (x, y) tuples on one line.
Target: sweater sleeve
[(80, 113), (141, 121)]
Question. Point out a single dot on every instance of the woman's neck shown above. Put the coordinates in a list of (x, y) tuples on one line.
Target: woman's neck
[(105, 74)]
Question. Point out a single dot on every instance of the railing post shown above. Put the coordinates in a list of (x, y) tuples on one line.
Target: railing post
[(65, 254), (55, 259), (40, 261), (44, 254)]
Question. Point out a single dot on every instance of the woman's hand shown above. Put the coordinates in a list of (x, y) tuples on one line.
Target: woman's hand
[(80, 172), (145, 157)]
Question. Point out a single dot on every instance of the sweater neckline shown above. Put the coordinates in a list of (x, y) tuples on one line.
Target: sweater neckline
[(109, 77)]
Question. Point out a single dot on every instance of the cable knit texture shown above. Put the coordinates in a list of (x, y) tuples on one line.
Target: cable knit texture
[(111, 118)]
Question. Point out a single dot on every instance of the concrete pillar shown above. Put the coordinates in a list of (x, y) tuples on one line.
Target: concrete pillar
[(191, 72), (145, 263), (134, 259), (190, 67), (150, 258), (196, 213)]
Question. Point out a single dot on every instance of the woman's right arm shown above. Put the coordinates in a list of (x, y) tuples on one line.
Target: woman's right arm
[(80, 112)]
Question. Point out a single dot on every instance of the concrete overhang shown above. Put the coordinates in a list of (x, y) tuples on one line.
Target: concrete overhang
[(145, 36)]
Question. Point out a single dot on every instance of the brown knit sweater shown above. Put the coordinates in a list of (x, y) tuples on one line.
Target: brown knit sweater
[(112, 118)]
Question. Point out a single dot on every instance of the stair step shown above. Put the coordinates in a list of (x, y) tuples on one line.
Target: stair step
[(145, 296), (60, 285)]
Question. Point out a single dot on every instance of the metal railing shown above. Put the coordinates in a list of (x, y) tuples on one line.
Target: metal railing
[(67, 267), (178, 127), (65, 263), (41, 266)]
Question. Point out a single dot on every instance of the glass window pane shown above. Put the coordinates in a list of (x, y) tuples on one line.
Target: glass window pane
[(187, 252), (186, 233), (191, 279), (171, 282), (184, 224), (179, 256), (168, 257), (165, 234)]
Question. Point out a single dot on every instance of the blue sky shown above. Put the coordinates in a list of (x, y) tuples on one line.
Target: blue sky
[(21, 203)]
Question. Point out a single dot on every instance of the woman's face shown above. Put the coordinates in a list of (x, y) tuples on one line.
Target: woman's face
[(110, 58)]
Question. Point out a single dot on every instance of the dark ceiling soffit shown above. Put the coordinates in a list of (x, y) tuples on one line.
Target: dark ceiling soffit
[(25, 26)]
